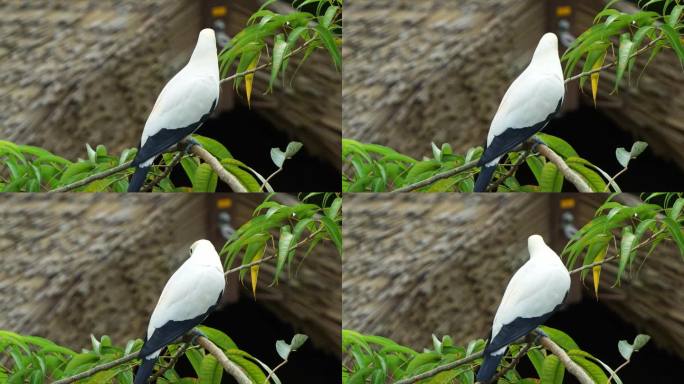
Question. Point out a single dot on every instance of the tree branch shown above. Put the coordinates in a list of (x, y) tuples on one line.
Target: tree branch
[(222, 173), (612, 64), (441, 368), (263, 66), (94, 370), (172, 363), (563, 168), (515, 361), (439, 176), (570, 365), (91, 178), (167, 171), (493, 186), (230, 367)]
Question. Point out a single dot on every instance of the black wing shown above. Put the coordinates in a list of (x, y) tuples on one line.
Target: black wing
[(512, 137), (166, 137), (172, 330)]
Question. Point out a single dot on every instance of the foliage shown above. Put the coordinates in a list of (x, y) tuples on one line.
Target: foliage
[(376, 359), (25, 168), (629, 232), (372, 167), (286, 35), (280, 230), (35, 360), (624, 35)]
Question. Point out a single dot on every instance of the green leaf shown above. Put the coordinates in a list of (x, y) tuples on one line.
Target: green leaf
[(217, 337), (210, 371), (624, 51), (205, 179), (333, 231), (330, 44), (551, 179), (561, 338), (552, 371), (284, 244), (626, 245), (673, 39), (213, 146), (279, 51), (558, 145), (676, 232), (279, 156), (622, 156), (637, 149)]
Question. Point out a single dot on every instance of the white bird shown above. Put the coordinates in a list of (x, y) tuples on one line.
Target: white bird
[(535, 291), (529, 103), (183, 105), (192, 292)]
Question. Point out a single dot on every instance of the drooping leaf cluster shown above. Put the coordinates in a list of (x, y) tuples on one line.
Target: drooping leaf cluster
[(621, 36), (25, 168), (630, 232), (281, 232), (376, 168), (379, 360), (276, 37), (35, 360)]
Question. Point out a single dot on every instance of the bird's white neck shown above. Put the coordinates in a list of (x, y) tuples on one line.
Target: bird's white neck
[(545, 57), (204, 55)]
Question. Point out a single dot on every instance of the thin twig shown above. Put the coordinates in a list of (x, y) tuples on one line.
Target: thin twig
[(564, 169), (96, 369), (273, 370), (612, 64), (493, 186), (612, 179), (441, 368), (439, 176), (515, 361), (253, 263), (176, 159), (269, 178), (172, 363), (220, 170), (570, 365), (263, 66), (92, 178), (580, 269), (229, 366)]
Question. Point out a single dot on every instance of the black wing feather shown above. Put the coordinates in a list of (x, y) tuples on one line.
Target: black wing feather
[(512, 137), (165, 138)]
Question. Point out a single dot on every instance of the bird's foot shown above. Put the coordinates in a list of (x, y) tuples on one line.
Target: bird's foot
[(189, 143), (195, 333), (539, 333), (536, 140)]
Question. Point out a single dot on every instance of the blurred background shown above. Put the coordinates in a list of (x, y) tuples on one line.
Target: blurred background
[(89, 71), (418, 264), (79, 264), (417, 72)]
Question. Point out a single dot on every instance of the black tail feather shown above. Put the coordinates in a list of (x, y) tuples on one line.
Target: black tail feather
[(144, 371), (483, 179), (487, 369), (138, 179)]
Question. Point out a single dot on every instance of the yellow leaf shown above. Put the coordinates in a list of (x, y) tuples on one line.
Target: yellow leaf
[(254, 270), (249, 78), (595, 78), (597, 269)]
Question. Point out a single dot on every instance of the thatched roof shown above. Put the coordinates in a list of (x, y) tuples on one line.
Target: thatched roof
[(420, 264)]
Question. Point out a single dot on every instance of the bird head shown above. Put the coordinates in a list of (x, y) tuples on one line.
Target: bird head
[(205, 50), (547, 48), (200, 245), (535, 243)]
